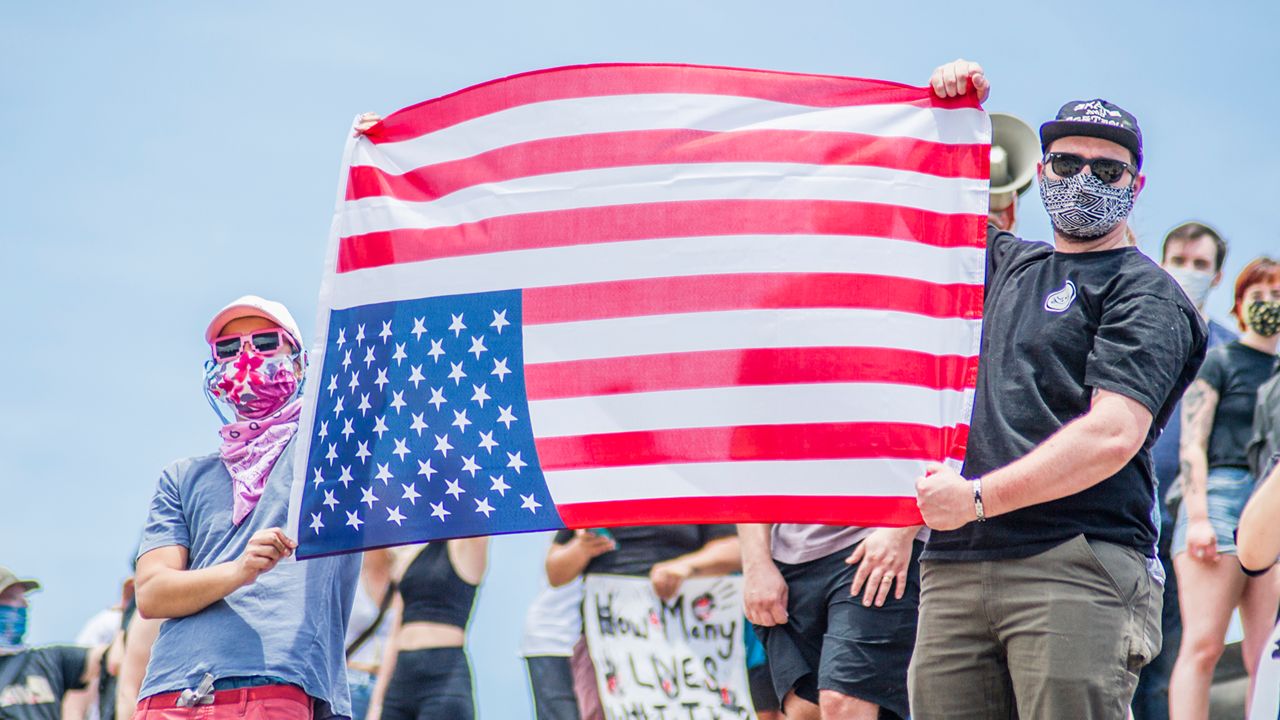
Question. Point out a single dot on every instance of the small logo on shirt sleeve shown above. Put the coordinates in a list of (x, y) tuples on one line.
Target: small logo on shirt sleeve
[(1059, 300)]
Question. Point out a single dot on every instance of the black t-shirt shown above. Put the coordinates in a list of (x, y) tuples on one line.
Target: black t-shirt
[(47, 674), (642, 547), (1056, 327), (1236, 371)]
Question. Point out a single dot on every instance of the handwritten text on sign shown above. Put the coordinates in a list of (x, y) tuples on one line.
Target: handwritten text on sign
[(677, 660)]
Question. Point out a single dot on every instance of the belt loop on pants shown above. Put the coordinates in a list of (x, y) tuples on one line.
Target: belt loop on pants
[(244, 701)]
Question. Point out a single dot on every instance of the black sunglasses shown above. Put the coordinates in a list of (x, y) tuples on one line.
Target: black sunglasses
[(1105, 169)]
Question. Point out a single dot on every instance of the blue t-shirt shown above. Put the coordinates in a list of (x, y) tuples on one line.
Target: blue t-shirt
[(1164, 454), (290, 623)]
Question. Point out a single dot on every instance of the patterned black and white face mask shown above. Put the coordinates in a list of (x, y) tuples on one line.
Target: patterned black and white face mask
[(1082, 207), (1263, 317)]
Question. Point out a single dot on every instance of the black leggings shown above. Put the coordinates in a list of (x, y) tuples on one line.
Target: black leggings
[(432, 684)]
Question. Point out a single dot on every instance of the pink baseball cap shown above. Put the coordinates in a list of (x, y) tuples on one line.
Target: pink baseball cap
[(254, 306)]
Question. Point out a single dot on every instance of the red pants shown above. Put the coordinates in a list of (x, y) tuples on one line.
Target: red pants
[(269, 702)]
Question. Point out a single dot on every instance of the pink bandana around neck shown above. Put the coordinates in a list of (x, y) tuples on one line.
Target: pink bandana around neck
[(250, 449)]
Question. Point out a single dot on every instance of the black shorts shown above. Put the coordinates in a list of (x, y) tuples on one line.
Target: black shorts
[(832, 642), (763, 696), (431, 683)]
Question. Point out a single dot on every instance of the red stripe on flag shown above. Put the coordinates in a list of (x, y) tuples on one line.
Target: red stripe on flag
[(748, 291), (646, 221), (669, 147), (822, 510), (762, 366), (622, 79), (801, 441)]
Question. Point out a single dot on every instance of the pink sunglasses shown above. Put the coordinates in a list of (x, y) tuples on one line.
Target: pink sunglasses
[(265, 342)]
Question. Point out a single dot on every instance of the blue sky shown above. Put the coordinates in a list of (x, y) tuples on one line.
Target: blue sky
[(163, 158)]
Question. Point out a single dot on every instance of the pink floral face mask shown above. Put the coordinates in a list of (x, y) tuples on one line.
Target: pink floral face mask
[(252, 384)]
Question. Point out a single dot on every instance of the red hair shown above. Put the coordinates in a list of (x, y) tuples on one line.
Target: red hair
[(1261, 270)]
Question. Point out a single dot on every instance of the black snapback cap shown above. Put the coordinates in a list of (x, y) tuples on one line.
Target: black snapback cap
[(1095, 118)]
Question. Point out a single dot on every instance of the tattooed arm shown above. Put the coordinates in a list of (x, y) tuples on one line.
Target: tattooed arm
[(1199, 405)]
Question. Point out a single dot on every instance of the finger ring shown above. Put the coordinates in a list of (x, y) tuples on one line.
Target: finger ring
[(886, 579)]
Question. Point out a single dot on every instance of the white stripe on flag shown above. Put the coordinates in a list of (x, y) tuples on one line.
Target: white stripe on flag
[(665, 183), (873, 478), (667, 111), (747, 405), (745, 329), (667, 257)]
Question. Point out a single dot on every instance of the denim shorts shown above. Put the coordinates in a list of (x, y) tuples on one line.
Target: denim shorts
[(1228, 489)]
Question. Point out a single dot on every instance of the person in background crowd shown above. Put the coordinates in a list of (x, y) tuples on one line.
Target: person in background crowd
[(369, 628), (831, 653), (1217, 417), (247, 630), (1192, 254), (666, 554), (552, 626), (425, 670), (139, 637), (1258, 543), (34, 681), (1040, 589), (1265, 443), (104, 628)]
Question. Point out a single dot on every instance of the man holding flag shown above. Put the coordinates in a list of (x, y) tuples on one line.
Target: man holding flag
[(1040, 590)]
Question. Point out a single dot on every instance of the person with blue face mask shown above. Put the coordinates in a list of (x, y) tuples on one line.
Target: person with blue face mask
[(33, 681)]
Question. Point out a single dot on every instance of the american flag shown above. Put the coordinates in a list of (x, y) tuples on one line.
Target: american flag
[(641, 294)]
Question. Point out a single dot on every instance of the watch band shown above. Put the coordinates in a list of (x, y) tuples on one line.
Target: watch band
[(977, 500)]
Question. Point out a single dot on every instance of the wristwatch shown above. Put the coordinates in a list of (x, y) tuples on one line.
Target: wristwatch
[(977, 500)]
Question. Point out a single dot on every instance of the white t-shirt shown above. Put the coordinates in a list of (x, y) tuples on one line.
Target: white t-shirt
[(363, 612), (100, 630), (554, 622)]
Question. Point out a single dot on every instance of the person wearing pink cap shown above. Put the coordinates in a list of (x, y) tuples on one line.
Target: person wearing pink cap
[(250, 632)]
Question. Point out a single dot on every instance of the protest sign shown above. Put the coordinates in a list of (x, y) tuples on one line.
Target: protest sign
[(681, 659)]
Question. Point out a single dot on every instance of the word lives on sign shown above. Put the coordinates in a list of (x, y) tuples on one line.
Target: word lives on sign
[(681, 659)]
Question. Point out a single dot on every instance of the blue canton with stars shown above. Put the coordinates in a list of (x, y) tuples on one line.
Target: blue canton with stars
[(421, 429)]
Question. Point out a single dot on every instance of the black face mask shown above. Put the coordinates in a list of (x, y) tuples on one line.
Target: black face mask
[(1263, 317)]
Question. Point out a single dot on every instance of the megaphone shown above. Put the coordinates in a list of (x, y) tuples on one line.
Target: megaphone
[(1015, 150)]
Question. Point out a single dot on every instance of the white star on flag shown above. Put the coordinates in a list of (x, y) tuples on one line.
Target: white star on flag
[(455, 488), (369, 359), (346, 359), (316, 522), (456, 326), (410, 493), (415, 375), (367, 497), (360, 334), (329, 500), (483, 506), (393, 515), (436, 350), (364, 405), (397, 400), (318, 479), (342, 337), (424, 468), (438, 511), (332, 454), (402, 449), (418, 423), (337, 407), (354, 520), (382, 379), (380, 425), (347, 429), (460, 420), (500, 369), (500, 485), (529, 503), (384, 473), (505, 416), (477, 346), (324, 429), (399, 355), (442, 444), (499, 320), (363, 451), (346, 478), (469, 465), (419, 328), (355, 382), (437, 398), (514, 461), (480, 394), (456, 374), (333, 384), (487, 442), (386, 331)]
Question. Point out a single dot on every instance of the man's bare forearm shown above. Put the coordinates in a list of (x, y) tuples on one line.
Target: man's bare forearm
[(170, 593), (755, 544), (1082, 454)]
